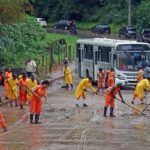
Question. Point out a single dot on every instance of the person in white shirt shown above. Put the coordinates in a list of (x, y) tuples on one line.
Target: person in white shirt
[(30, 67)]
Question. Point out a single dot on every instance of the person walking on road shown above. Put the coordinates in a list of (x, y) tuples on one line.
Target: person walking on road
[(111, 77), (30, 67), (68, 77), (13, 90), (81, 90), (140, 74), (8, 74), (142, 86), (3, 122), (31, 83), (110, 96), (101, 77), (23, 90), (38, 93)]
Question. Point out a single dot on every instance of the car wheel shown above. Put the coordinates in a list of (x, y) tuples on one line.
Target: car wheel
[(55, 27), (66, 28)]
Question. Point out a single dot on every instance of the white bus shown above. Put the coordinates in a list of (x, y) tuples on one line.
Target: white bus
[(122, 55)]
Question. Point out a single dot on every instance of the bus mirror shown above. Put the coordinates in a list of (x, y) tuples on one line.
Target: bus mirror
[(115, 56)]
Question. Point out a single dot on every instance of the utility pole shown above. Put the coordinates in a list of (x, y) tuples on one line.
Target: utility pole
[(129, 12)]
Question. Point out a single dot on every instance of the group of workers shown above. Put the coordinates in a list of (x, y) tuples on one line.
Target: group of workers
[(143, 80), (29, 90), (22, 89)]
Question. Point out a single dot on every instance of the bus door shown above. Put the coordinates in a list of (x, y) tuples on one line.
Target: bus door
[(81, 55), (95, 63), (111, 59)]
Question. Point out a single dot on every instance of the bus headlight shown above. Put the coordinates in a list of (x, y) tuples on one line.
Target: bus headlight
[(121, 77)]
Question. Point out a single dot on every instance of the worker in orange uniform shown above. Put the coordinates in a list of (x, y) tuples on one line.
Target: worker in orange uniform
[(109, 98), (13, 90), (111, 77), (101, 77), (38, 93), (3, 122), (140, 74), (31, 83), (82, 88), (8, 74), (23, 90)]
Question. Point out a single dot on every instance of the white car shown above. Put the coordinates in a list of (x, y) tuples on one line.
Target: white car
[(42, 22)]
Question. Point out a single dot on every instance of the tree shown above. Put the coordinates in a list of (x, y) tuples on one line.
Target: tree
[(142, 15), (11, 11)]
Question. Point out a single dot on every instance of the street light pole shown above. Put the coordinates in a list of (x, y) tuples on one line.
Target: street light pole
[(129, 12)]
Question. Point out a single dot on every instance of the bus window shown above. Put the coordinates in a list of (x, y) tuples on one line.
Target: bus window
[(104, 53), (88, 52)]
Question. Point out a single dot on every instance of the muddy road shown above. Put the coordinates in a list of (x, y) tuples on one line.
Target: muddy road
[(86, 128)]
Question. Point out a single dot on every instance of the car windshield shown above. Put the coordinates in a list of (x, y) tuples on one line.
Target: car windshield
[(130, 61)]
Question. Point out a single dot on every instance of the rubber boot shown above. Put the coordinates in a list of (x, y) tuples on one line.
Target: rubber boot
[(16, 104), (31, 118), (67, 86), (11, 105), (21, 106), (85, 105), (111, 112), (5, 129), (71, 86), (105, 111), (37, 116)]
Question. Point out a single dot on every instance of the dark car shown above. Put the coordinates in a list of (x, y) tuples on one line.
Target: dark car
[(64, 24), (144, 36), (101, 29), (127, 32)]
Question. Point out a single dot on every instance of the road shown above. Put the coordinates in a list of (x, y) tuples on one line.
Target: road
[(86, 129)]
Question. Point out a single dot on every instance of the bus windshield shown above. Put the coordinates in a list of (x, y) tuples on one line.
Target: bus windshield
[(130, 61)]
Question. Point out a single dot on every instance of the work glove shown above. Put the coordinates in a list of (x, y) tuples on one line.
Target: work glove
[(85, 90)]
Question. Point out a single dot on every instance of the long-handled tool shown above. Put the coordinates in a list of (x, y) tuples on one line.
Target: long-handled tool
[(57, 110), (130, 106), (145, 109)]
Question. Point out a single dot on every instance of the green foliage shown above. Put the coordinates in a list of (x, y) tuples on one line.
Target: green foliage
[(23, 40), (142, 15), (102, 11), (11, 11)]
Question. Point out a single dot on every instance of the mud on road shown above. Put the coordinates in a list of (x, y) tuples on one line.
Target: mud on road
[(86, 128)]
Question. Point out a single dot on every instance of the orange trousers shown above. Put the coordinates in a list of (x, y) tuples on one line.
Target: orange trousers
[(109, 100), (23, 97), (35, 106), (111, 82), (2, 121), (101, 84)]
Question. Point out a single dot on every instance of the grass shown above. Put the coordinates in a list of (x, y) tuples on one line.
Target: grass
[(86, 25), (70, 39)]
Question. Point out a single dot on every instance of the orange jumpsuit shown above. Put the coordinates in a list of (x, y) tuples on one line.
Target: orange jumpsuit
[(2, 121), (111, 78), (23, 91), (109, 97), (36, 103), (101, 80), (7, 76)]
